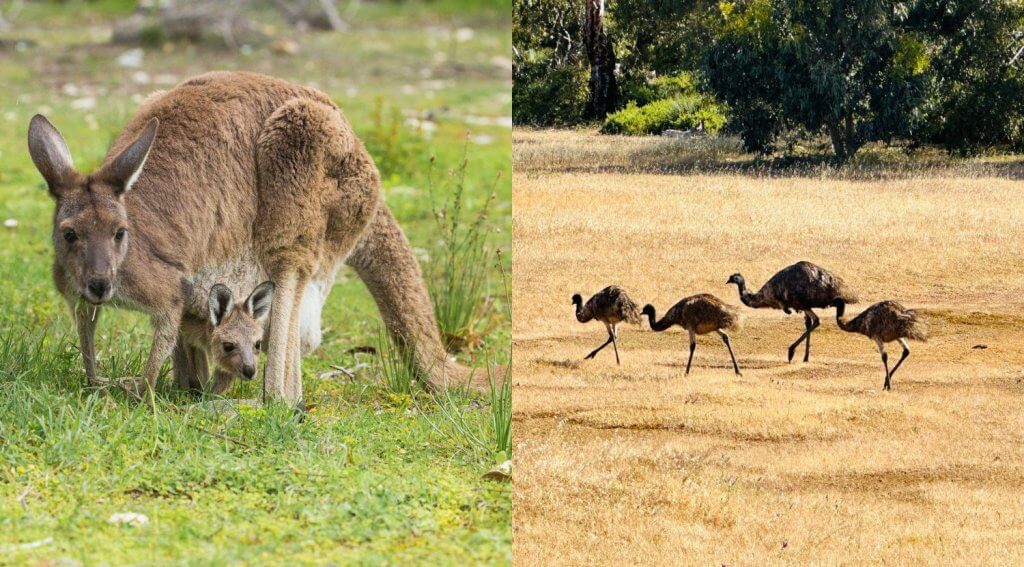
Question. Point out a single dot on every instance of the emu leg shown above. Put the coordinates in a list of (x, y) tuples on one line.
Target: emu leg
[(615, 344), (611, 338), (725, 339), (906, 353), (693, 346), (885, 362), (807, 343), (811, 322)]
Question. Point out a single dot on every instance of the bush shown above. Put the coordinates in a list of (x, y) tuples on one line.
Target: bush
[(549, 96), (643, 92), (678, 113)]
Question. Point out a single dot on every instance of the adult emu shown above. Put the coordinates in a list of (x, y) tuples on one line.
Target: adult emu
[(801, 287)]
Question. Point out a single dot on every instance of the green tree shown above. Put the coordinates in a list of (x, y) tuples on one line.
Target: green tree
[(548, 65), (856, 70), (977, 100)]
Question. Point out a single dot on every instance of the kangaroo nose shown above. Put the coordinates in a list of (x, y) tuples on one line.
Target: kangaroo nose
[(248, 371), (99, 288)]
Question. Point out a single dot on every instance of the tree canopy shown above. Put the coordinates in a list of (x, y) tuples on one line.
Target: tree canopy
[(856, 71)]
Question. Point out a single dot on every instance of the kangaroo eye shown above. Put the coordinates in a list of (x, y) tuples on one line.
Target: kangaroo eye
[(259, 345), (119, 235), (70, 235), (228, 347)]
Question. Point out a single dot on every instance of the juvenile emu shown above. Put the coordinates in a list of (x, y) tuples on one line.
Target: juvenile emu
[(699, 314), (610, 306), (885, 322), (800, 287)]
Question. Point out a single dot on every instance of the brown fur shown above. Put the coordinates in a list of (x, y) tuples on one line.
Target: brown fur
[(230, 333), (244, 166), (699, 314)]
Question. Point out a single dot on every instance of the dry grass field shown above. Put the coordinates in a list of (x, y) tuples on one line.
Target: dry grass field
[(790, 463)]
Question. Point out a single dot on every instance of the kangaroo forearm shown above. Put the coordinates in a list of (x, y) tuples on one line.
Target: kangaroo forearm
[(165, 336), (85, 322)]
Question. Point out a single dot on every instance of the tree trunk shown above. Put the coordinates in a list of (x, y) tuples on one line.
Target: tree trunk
[(845, 141), (603, 90), (838, 142)]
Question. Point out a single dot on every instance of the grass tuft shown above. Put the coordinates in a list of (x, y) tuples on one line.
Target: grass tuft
[(459, 290), (396, 364)]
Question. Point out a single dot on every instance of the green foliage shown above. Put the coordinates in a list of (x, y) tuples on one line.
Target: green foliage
[(546, 95), (648, 91), (680, 113), (501, 413), (856, 71), (396, 364), (490, 439), (661, 37), (978, 99), (461, 261)]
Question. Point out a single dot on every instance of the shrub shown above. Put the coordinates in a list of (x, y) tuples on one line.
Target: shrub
[(549, 96), (679, 113), (643, 91)]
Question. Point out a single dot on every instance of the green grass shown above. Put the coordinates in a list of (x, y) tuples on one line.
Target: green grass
[(368, 475)]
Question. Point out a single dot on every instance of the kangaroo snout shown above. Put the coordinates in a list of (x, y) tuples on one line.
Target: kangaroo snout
[(248, 371), (98, 290)]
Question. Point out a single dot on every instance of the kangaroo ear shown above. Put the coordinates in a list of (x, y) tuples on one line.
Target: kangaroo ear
[(221, 301), (258, 303), (124, 170), (50, 153)]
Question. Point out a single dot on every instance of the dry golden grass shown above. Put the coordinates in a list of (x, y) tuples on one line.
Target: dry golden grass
[(586, 151), (791, 463)]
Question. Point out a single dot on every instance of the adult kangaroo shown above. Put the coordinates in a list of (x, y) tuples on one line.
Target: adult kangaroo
[(230, 170)]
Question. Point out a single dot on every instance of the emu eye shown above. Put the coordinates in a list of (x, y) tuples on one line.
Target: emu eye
[(259, 345), (228, 347), (70, 235), (119, 235)]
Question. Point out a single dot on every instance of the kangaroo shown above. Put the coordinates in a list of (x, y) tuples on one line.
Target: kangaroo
[(246, 170), (230, 333)]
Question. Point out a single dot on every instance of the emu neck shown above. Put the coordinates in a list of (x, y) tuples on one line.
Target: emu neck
[(842, 321), (745, 296), (658, 325)]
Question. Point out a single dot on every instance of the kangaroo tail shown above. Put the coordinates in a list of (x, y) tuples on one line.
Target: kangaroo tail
[(385, 262)]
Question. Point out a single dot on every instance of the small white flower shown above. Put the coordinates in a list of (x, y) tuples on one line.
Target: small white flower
[(11, 223)]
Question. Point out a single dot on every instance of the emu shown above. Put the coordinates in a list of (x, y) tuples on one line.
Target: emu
[(801, 287), (885, 322), (699, 315), (610, 306)]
